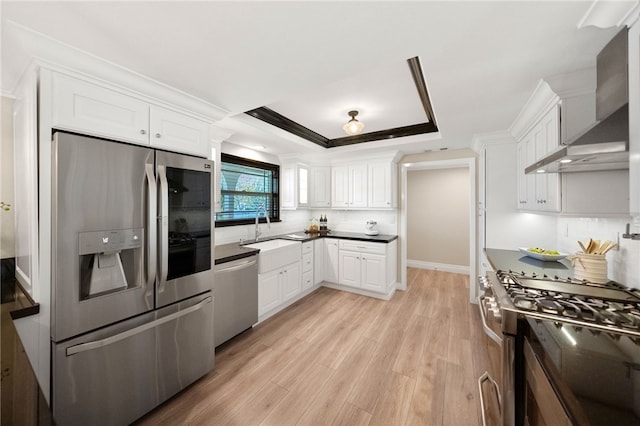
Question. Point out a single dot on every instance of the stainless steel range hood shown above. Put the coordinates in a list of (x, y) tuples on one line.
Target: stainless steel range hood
[(605, 145)]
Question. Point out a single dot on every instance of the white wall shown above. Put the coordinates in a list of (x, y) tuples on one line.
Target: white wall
[(438, 216), (7, 245), (623, 263), (506, 227)]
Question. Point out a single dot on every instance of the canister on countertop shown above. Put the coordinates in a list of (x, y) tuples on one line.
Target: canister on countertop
[(590, 267)]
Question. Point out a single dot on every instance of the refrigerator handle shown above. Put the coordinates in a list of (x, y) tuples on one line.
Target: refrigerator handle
[(83, 347), (163, 234), (152, 212)]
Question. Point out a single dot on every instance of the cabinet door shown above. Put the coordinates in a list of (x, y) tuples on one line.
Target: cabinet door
[(320, 187), (25, 160), (178, 132), (548, 184), (307, 280), (340, 187), (291, 281), (331, 260), (349, 268), (268, 291), (358, 186), (523, 180), (303, 186), (288, 187), (318, 260), (374, 272), (380, 191), (94, 110)]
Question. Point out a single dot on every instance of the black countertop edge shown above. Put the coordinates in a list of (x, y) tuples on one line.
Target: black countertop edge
[(25, 305), (233, 251), (356, 236)]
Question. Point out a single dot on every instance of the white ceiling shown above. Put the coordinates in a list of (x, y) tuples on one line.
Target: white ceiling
[(314, 61)]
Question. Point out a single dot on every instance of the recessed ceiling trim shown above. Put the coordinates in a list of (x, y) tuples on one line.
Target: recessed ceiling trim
[(276, 119), (270, 116), (421, 86), (398, 132)]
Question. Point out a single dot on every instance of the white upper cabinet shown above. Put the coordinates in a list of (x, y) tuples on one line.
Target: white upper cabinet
[(295, 186), (98, 110), (320, 186), (88, 108), (175, 131), (539, 192), (288, 186), (382, 185), (358, 186), (364, 185), (340, 187)]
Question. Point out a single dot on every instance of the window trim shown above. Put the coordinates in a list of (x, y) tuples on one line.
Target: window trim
[(274, 215)]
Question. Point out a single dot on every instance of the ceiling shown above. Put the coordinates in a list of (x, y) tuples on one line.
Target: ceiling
[(315, 61)]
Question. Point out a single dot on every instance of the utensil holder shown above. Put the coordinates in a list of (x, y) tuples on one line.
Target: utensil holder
[(590, 267)]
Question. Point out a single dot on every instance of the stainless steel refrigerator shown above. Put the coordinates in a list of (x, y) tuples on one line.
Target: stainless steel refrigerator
[(132, 311)]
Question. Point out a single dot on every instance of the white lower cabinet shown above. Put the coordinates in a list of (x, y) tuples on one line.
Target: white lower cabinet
[(367, 266), (318, 260), (278, 286), (331, 260), (307, 265), (374, 272), (363, 270)]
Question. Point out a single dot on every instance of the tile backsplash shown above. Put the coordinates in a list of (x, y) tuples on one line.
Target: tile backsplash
[(623, 262)]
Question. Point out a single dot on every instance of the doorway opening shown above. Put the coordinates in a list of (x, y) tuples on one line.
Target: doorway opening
[(439, 231)]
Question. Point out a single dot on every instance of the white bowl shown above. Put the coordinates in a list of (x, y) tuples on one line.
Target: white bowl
[(541, 256)]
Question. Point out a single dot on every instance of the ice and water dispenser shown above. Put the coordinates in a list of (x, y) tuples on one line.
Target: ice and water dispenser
[(110, 261)]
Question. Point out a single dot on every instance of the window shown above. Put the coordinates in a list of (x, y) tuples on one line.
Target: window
[(247, 186)]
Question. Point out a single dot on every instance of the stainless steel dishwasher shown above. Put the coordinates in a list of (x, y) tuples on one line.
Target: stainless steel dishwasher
[(235, 298)]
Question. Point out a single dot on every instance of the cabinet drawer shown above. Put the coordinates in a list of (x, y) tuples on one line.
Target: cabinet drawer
[(363, 247), (307, 280), (307, 247), (307, 262)]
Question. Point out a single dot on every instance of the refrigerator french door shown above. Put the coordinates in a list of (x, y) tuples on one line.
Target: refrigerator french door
[(132, 247)]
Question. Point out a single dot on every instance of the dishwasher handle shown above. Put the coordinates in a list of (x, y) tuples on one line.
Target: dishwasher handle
[(242, 265)]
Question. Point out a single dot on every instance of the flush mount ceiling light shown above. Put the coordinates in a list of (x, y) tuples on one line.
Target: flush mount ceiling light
[(353, 126)]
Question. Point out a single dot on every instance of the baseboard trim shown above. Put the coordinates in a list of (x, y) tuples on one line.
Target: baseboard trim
[(421, 264)]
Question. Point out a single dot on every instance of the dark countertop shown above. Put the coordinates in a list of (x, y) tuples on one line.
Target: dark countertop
[(514, 260), (19, 303), (357, 236), (234, 251)]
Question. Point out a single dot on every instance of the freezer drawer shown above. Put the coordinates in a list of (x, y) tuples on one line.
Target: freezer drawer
[(115, 375)]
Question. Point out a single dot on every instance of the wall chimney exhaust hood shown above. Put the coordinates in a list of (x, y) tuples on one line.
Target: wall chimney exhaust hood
[(605, 145)]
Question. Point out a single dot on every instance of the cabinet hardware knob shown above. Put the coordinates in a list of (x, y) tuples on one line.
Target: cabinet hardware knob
[(143, 132), (158, 135)]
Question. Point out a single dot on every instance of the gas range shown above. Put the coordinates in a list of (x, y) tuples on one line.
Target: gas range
[(607, 308)]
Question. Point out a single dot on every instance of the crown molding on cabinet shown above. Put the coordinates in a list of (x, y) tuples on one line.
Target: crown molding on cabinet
[(606, 14)]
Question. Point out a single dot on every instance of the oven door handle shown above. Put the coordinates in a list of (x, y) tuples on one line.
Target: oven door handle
[(487, 378), (489, 332)]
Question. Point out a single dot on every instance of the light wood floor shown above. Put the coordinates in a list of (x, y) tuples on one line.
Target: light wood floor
[(340, 358)]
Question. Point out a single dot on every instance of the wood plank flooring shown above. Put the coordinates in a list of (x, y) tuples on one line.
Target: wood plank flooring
[(339, 358)]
